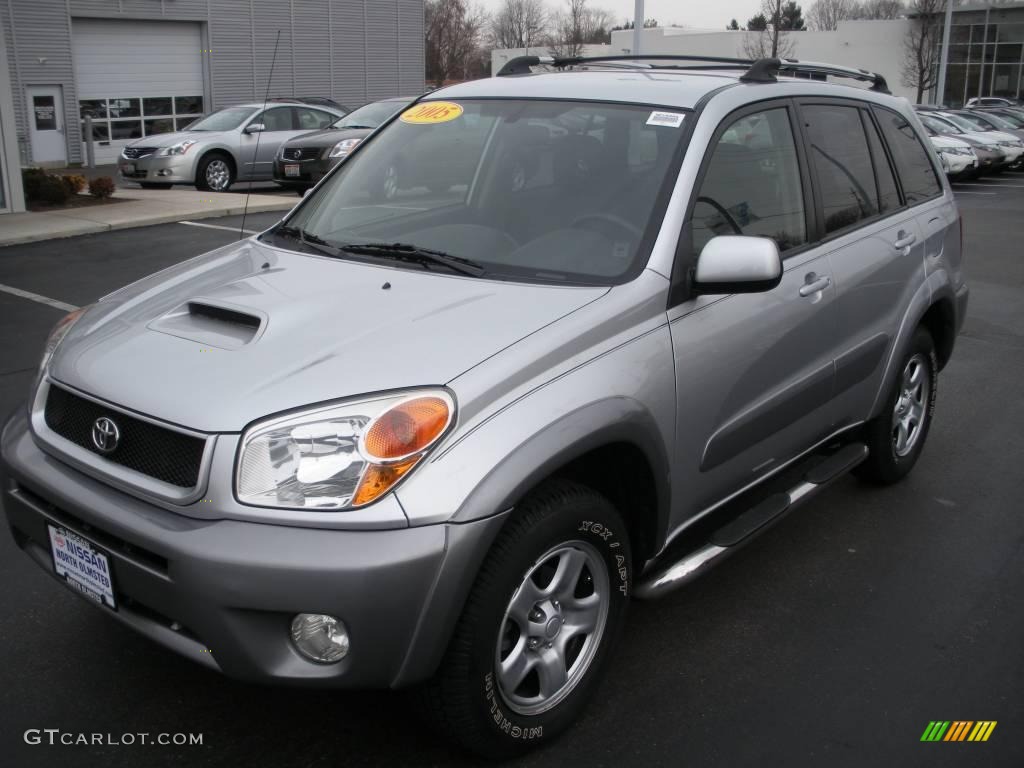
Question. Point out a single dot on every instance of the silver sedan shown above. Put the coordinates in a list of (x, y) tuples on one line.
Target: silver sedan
[(232, 144)]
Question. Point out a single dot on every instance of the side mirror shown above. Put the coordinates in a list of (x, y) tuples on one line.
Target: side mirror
[(738, 264), (255, 128)]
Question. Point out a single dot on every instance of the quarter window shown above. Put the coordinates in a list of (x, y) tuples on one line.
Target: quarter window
[(888, 194), (752, 184), (915, 168), (842, 164)]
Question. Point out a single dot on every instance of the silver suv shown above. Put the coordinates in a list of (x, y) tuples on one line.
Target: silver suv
[(542, 344), (232, 144)]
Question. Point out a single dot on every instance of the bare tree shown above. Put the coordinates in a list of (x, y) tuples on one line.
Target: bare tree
[(454, 31), (879, 9), (825, 15), (921, 46), (519, 24), (576, 25), (771, 40)]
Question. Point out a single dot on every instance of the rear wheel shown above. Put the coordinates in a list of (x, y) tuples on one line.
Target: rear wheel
[(215, 173), (539, 626), (896, 436)]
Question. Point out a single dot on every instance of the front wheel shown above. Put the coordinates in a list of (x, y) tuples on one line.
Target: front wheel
[(539, 625), (895, 438), (215, 173)]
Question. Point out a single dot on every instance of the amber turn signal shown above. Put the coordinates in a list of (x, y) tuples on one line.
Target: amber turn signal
[(378, 479), (408, 428)]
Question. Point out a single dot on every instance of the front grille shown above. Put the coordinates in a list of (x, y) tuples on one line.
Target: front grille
[(161, 453), (134, 153), (292, 153), (139, 174)]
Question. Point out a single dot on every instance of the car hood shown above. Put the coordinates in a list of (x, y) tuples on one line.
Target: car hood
[(328, 137), (945, 142), (329, 329), (978, 137), (170, 139)]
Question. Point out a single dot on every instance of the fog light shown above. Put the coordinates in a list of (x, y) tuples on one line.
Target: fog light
[(164, 172), (320, 637)]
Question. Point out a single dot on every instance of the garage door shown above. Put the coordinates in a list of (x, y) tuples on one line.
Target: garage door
[(136, 79)]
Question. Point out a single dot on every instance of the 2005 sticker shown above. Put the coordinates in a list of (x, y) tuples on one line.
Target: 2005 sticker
[(431, 112)]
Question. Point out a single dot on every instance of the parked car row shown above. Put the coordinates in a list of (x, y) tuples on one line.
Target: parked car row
[(976, 140)]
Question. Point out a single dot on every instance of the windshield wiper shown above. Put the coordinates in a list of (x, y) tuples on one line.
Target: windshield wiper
[(416, 255), (315, 242)]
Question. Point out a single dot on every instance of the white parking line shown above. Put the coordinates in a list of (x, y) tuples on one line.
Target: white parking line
[(219, 226), (36, 297)]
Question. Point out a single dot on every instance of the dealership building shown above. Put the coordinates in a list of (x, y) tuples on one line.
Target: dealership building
[(144, 67)]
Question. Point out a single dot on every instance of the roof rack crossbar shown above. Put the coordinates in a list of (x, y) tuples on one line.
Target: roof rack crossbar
[(521, 65), (766, 71)]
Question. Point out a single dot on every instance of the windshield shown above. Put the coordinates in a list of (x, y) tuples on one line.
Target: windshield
[(370, 116), (965, 124), (939, 125), (538, 190), (224, 120), (1012, 121)]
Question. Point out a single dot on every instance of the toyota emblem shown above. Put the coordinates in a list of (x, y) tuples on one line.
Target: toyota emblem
[(105, 435)]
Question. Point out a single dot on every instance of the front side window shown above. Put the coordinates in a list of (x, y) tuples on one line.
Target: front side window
[(913, 165), (549, 191), (279, 119), (313, 119), (842, 164), (752, 184)]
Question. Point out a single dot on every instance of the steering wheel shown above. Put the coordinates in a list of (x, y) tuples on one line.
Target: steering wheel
[(609, 218), (725, 214)]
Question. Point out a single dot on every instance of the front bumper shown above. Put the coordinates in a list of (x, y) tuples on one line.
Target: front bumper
[(175, 169), (310, 170), (223, 592)]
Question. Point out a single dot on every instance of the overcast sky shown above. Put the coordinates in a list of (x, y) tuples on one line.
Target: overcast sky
[(689, 13)]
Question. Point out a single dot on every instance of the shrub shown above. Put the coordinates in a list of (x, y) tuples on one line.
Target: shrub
[(75, 183), (46, 188), (101, 187), (32, 180)]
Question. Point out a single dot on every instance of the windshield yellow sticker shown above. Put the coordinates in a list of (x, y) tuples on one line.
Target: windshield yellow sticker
[(430, 112)]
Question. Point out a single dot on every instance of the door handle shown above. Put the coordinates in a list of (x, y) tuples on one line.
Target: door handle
[(815, 286), (904, 241)]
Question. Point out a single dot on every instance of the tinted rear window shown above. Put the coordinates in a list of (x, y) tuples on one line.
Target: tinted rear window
[(915, 169)]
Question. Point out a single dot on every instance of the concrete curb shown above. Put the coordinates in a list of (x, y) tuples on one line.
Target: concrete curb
[(18, 228)]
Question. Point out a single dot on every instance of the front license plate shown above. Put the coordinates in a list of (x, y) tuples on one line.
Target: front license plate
[(291, 170), (128, 168), (82, 566)]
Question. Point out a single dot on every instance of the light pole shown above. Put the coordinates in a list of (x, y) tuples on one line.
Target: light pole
[(638, 25), (940, 93)]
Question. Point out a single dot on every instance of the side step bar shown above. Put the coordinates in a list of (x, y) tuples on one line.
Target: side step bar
[(731, 536)]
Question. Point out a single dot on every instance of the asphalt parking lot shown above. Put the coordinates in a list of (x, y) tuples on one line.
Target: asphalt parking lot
[(830, 641)]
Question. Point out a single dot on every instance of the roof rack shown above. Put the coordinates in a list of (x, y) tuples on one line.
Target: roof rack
[(766, 70), (759, 71)]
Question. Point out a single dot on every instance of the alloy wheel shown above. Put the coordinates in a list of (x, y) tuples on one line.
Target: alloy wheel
[(911, 407), (218, 175), (552, 627)]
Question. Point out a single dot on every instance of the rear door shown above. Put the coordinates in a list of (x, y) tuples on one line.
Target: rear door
[(873, 240), (754, 372)]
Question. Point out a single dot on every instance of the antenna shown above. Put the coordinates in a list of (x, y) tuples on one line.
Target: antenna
[(256, 153)]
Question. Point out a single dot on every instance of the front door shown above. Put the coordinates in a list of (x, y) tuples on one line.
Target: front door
[(754, 372), (46, 125)]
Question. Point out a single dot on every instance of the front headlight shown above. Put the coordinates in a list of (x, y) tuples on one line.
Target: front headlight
[(177, 149), (60, 330), (343, 147), (342, 456)]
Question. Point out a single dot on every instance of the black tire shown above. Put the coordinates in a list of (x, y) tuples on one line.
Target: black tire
[(157, 185), (301, 191), (466, 698), (886, 464), (202, 183)]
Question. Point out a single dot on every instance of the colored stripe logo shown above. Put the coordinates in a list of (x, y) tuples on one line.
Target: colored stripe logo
[(958, 730)]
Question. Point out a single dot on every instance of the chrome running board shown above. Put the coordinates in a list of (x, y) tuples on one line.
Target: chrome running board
[(731, 536)]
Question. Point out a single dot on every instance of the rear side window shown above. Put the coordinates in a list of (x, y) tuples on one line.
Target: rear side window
[(888, 194), (842, 164), (752, 184), (915, 169)]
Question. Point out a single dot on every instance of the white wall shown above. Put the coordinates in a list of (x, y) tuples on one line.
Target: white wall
[(872, 45)]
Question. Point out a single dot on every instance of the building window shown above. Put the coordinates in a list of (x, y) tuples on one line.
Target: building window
[(129, 118)]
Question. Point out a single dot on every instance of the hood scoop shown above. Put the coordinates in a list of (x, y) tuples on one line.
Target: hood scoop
[(212, 324)]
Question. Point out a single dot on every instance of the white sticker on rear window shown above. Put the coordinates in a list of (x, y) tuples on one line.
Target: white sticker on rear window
[(668, 119)]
